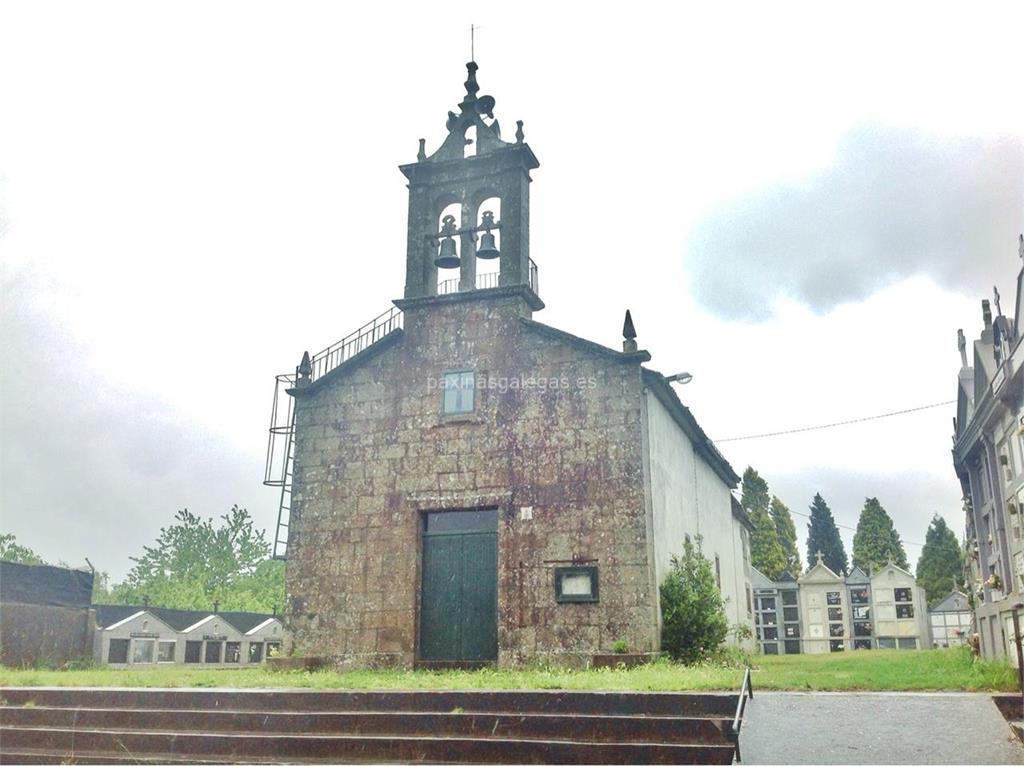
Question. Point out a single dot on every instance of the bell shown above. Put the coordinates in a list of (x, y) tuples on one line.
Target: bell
[(487, 250), (447, 257)]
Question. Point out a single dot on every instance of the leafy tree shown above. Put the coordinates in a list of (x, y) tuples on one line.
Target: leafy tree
[(194, 563), (823, 535), (10, 550), (787, 535), (692, 609), (766, 551), (876, 539), (940, 567)]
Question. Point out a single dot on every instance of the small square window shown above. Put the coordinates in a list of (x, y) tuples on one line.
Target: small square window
[(792, 647), (904, 610), (789, 597), (457, 390), (166, 651), (771, 648), (835, 629), (835, 614), (193, 651), (213, 652), (903, 594), (142, 651), (833, 598), (575, 584), (118, 652)]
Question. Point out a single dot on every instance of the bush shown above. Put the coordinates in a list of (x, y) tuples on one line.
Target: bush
[(692, 610)]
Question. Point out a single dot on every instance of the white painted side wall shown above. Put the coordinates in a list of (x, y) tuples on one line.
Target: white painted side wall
[(688, 497)]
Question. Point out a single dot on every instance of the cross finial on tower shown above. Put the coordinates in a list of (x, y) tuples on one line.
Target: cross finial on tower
[(999, 306), (961, 343), (1020, 248), (472, 41), (820, 556)]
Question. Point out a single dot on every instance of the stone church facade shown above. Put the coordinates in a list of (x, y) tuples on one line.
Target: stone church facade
[(471, 486)]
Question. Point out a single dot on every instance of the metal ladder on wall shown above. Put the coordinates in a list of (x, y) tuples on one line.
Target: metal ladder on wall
[(280, 465)]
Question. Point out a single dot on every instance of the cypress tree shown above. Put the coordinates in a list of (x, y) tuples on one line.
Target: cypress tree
[(765, 549), (787, 535), (876, 539), (823, 535), (940, 567)]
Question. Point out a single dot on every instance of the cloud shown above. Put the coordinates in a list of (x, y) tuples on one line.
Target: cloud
[(895, 203), (90, 468)]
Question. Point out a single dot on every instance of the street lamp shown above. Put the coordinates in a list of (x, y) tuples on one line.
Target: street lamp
[(680, 377)]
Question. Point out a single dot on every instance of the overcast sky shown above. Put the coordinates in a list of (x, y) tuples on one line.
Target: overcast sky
[(800, 206)]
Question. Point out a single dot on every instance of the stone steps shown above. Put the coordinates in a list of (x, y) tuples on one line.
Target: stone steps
[(302, 726)]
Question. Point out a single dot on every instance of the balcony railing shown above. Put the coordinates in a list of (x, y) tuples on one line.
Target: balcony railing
[(359, 340), (485, 281)]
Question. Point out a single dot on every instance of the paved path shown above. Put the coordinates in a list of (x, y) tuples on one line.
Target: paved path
[(870, 728)]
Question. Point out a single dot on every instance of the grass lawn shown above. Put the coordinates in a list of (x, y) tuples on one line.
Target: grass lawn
[(882, 670)]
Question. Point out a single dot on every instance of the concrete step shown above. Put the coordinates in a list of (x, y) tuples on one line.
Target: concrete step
[(66, 744), (578, 728), (556, 702)]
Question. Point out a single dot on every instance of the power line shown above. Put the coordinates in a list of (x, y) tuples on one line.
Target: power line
[(833, 425)]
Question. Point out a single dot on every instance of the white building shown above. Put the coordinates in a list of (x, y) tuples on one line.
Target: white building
[(142, 635)]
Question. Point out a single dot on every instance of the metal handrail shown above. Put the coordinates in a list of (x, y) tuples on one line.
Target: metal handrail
[(746, 692), (359, 340), (486, 281)]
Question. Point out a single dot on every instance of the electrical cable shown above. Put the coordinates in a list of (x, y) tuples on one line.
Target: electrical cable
[(833, 425)]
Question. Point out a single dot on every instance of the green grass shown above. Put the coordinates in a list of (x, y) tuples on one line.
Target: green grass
[(951, 669)]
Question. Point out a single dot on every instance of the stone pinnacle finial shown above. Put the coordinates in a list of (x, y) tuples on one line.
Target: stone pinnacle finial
[(471, 84), (304, 370), (1020, 248), (422, 153), (519, 132), (628, 334), (986, 314), (961, 343)]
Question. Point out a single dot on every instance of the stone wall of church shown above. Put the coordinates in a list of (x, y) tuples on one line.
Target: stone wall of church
[(556, 429)]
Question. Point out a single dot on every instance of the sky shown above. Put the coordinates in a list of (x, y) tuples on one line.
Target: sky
[(799, 204)]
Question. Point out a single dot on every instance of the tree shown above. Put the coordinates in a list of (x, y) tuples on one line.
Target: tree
[(766, 551), (194, 564), (823, 535), (940, 568), (876, 540), (787, 535), (692, 609), (10, 550)]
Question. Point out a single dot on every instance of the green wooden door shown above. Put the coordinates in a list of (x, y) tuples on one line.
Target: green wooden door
[(459, 605)]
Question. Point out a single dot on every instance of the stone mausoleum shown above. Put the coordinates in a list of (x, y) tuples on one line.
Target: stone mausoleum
[(462, 484)]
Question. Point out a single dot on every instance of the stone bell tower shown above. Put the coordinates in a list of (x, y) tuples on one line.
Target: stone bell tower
[(471, 169)]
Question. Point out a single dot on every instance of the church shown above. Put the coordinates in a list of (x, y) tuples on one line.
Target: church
[(463, 485)]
